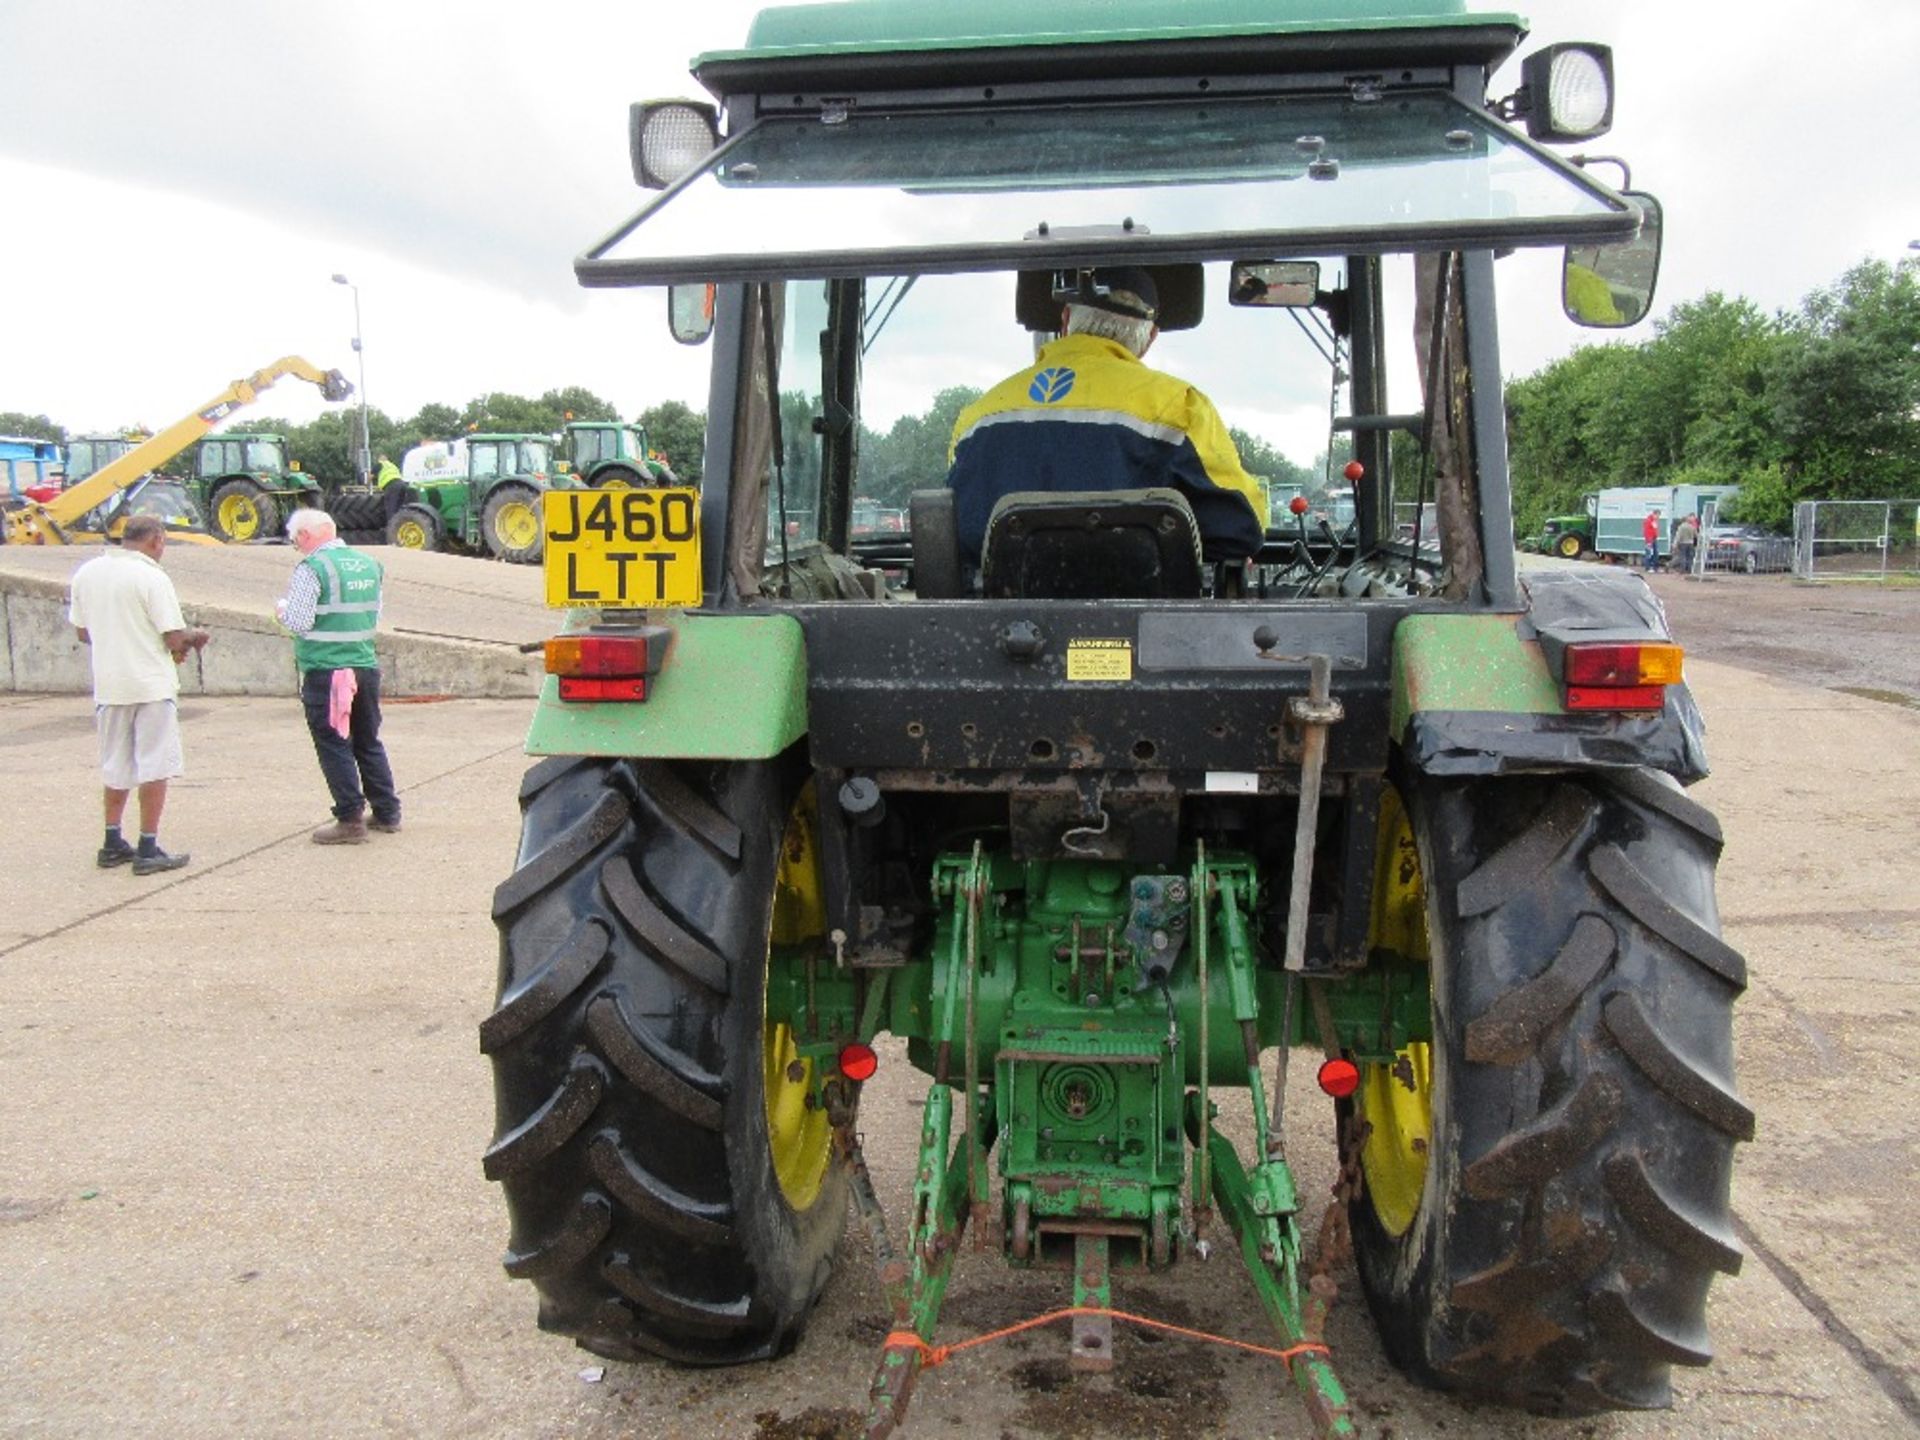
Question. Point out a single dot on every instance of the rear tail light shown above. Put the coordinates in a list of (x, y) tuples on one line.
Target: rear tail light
[(1621, 677), (618, 667)]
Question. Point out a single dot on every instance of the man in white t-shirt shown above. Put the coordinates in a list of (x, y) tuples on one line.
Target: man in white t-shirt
[(128, 615)]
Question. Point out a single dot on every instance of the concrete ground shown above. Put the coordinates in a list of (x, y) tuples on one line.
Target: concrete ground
[(243, 1108)]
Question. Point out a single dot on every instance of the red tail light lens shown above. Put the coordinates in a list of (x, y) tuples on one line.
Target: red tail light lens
[(617, 688)]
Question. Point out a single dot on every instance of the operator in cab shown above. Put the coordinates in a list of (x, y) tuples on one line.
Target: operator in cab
[(1088, 415)]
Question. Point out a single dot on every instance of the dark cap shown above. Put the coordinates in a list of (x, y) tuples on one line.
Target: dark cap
[(1097, 287)]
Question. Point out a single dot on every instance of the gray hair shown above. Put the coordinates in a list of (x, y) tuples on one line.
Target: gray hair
[(317, 522), (142, 528), (1133, 333)]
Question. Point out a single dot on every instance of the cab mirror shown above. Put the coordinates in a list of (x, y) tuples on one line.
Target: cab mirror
[(1288, 284), (690, 313), (1608, 287)]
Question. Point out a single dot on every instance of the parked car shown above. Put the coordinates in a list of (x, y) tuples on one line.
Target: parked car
[(1747, 548), (869, 520)]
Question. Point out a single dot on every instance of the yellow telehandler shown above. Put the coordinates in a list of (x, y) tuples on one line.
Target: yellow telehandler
[(98, 507)]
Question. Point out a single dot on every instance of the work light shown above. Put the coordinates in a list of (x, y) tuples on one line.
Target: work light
[(669, 139), (1567, 92)]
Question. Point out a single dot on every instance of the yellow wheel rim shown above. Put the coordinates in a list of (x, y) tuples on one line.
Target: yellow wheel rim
[(798, 1133), (410, 535), (1396, 1100), (1570, 547), (239, 517), (612, 482), (517, 527)]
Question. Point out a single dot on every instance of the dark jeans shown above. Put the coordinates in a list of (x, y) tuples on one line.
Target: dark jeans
[(351, 763)]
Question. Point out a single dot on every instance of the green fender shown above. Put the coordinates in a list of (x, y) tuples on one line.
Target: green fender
[(733, 687), (1474, 695)]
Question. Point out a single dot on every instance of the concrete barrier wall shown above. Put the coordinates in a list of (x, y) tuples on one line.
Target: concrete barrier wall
[(247, 655)]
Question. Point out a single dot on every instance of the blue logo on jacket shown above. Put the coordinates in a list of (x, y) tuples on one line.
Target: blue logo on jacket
[(1050, 385)]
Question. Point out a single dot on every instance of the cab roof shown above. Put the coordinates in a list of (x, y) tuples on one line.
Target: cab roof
[(874, 41)]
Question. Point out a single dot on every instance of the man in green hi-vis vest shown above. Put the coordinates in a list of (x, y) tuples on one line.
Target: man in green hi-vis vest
[(332, 607)]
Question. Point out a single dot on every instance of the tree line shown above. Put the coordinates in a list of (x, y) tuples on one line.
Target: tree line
[(1818, 403)]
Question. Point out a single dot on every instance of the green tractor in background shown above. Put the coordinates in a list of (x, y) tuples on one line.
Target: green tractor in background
[(609, 455), (1568, 536), (247, 485), (478, 494), (1097, 824)]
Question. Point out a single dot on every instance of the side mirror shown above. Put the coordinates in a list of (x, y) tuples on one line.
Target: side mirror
[(1608, 287), (1288, 284), (690, 312)]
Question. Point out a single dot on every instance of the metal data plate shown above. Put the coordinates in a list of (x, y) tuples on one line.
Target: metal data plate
[(634, 549)]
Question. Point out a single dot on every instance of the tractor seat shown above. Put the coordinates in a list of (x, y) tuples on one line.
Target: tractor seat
[(1092, 545)]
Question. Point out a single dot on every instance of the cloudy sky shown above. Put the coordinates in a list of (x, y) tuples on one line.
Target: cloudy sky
[(183, 178)]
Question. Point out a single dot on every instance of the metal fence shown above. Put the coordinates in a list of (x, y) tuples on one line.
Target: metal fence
[(1867, 538)]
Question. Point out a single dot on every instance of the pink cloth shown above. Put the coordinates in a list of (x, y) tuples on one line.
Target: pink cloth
[(340, 701)]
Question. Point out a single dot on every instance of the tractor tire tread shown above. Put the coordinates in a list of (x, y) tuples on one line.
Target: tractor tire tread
[(569, 968), (663, 934), (1671, 1225), (582, 838), (1519, 864), (1640, 898), (552, 1125), (1513, 1027), (572, 1243), (670, 1077)]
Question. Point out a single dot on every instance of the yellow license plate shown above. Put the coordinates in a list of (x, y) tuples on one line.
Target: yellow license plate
[(637, 549)]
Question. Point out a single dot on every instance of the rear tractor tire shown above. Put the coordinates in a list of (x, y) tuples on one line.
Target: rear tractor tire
[(671, 1190), (1544, 1196), (1569, 547), (510, 524), (243, 512)]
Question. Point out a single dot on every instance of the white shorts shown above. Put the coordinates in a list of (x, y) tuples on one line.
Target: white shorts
[(139, 743)]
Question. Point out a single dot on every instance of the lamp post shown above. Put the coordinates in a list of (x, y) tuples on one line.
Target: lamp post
[(363, 459)]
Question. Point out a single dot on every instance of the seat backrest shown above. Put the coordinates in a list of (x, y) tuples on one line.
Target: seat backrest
[(936, 545), (1092, 545)]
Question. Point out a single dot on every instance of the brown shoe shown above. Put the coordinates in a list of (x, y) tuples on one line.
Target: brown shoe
[(385, 827), (342, 832)]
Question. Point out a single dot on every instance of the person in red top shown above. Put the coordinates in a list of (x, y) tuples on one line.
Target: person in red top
[(1650, 532)]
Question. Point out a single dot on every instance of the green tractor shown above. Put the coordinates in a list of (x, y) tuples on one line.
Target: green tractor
[(247, 485), (1099, 827), (1568, 536), (609, 455), (479, 494)]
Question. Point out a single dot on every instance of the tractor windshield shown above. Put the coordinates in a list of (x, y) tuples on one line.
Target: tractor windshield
[(975, 189)]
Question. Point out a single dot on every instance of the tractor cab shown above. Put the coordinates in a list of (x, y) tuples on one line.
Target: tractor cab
[(609, 455)]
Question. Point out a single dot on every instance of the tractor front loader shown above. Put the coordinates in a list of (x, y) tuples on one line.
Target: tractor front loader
[(1102, 824)]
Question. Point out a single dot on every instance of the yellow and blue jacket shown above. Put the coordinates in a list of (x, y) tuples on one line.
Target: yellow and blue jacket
[(1088, 415)]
